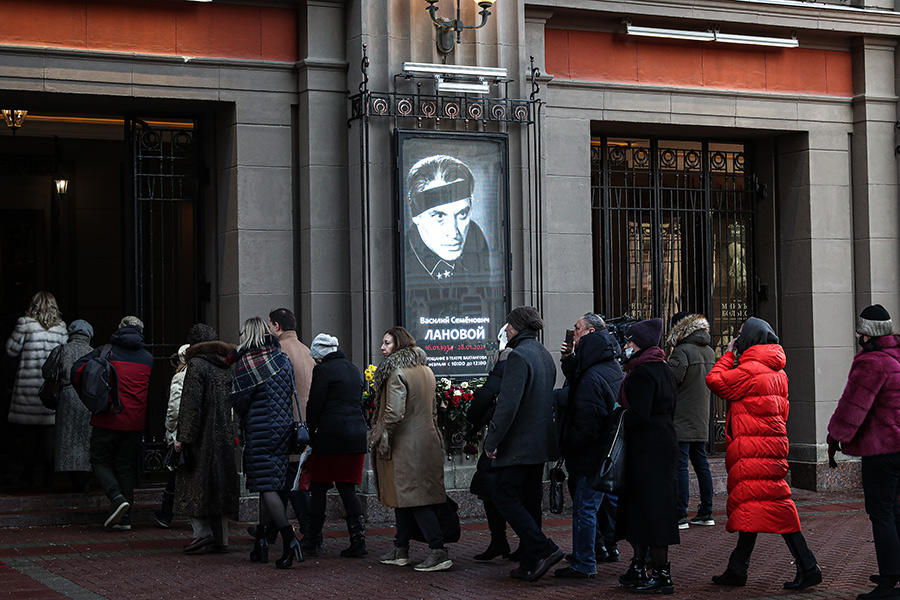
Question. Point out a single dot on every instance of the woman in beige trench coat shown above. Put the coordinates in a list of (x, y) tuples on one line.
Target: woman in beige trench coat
[(407, 449)]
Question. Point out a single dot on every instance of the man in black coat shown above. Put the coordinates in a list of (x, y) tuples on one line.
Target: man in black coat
[(593, 379), (522, 436)]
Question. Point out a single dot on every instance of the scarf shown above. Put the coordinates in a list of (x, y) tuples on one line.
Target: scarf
[(653, 354), (257, 365)]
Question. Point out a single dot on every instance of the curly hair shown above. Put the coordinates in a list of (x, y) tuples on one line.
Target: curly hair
[(44, 310)]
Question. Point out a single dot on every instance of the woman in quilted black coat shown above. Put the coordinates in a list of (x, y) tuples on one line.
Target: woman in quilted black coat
[(262, 392)]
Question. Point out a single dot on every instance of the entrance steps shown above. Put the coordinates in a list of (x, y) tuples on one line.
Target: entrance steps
[(68, 508), (29, 509)]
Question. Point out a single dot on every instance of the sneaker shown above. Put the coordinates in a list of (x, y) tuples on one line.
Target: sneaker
[(397, 556), (124, 523), (117, 512), (161, 520), (705, 520), (684, 523), (438, 560)]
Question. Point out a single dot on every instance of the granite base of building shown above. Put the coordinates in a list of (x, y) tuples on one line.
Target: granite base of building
[(821, 478)]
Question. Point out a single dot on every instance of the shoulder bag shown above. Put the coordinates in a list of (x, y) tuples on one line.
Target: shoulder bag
[(611, 474)]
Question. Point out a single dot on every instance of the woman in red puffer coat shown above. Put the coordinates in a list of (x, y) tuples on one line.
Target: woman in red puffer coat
[(750, 376)]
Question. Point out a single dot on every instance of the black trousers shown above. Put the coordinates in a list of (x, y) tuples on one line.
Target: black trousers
[(518, 491), (115, 459), (423, 516), (739, 561), (881, 486)]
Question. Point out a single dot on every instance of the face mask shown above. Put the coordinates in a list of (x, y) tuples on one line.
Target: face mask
[(629, 352)]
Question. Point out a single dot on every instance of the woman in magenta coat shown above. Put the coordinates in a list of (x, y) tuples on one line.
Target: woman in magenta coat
[(751, 377), (866, 423)]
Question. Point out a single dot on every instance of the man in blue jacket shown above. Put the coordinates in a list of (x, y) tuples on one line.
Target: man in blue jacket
[(593, 378), (522, 436)]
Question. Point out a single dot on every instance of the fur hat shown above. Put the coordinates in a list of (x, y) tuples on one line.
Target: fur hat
[(645, 334), (874, 321), (323, 345), (201, 332), (524, 318)]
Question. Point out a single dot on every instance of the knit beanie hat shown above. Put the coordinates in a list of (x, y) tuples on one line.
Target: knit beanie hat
[(874, 321), (131, 321), (524, 318), (323, 345), (679, 316), (645, 334), (201, 332), (80, 326)]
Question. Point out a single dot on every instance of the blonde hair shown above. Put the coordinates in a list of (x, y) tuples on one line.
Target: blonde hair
[(253, 334), (44, 310)]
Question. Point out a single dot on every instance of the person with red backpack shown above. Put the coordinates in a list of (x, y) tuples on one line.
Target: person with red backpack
[(116, 434)]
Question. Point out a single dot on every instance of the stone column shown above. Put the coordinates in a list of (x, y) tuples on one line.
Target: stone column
[(323, 261)]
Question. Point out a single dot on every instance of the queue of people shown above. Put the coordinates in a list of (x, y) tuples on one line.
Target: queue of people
[(271, 381)]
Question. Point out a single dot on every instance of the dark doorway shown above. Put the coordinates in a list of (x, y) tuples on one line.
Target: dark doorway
[(122, 240), (673, 225)]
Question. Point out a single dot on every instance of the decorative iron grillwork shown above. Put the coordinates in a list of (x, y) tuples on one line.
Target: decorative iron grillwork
[(164, 280), (674, 230)]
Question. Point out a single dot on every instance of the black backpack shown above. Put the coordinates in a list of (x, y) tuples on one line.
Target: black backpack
[(100, 384)]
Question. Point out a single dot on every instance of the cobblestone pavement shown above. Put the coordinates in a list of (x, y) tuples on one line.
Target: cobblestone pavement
[(87, 562)]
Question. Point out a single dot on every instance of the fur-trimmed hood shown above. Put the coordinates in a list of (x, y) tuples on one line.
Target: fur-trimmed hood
[(685, 327), (404, 358), (214, 351)]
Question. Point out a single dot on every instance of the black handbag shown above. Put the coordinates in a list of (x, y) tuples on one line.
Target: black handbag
[(299, 436), (610, 476), (173, 459), (447, 514), (557, 477)]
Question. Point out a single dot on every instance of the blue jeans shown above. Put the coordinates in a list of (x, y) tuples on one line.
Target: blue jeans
[(696, 453), (585, 506)]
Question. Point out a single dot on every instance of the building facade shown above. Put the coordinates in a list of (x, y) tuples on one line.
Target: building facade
[(227, 158)]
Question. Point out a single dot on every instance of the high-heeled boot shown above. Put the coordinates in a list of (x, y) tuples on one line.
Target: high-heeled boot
[(313, 536), (260, 552), (659, 581), (292, 550), (808, 572), (356, 527)]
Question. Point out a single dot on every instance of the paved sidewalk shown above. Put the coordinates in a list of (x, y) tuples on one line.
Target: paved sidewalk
[(87, 562)]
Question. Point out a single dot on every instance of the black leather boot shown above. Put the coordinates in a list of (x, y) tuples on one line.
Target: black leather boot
[(659, 581), (312, 539), (356, 526), (636, 573), (260, 552), (808, 572), (292, 550), (495, 548)]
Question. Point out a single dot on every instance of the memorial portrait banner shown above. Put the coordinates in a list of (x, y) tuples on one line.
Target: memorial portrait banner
[(453, 206)]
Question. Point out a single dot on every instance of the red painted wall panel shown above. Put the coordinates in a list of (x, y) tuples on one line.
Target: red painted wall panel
[(610, 57), (159, 27)]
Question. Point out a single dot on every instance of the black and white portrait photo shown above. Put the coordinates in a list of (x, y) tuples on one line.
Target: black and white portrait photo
[(453, 205)]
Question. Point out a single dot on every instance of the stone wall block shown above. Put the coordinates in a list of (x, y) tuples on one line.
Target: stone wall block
[(266, 262), (567, 203)]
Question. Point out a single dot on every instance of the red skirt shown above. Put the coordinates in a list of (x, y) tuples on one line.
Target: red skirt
[(327, 468)]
